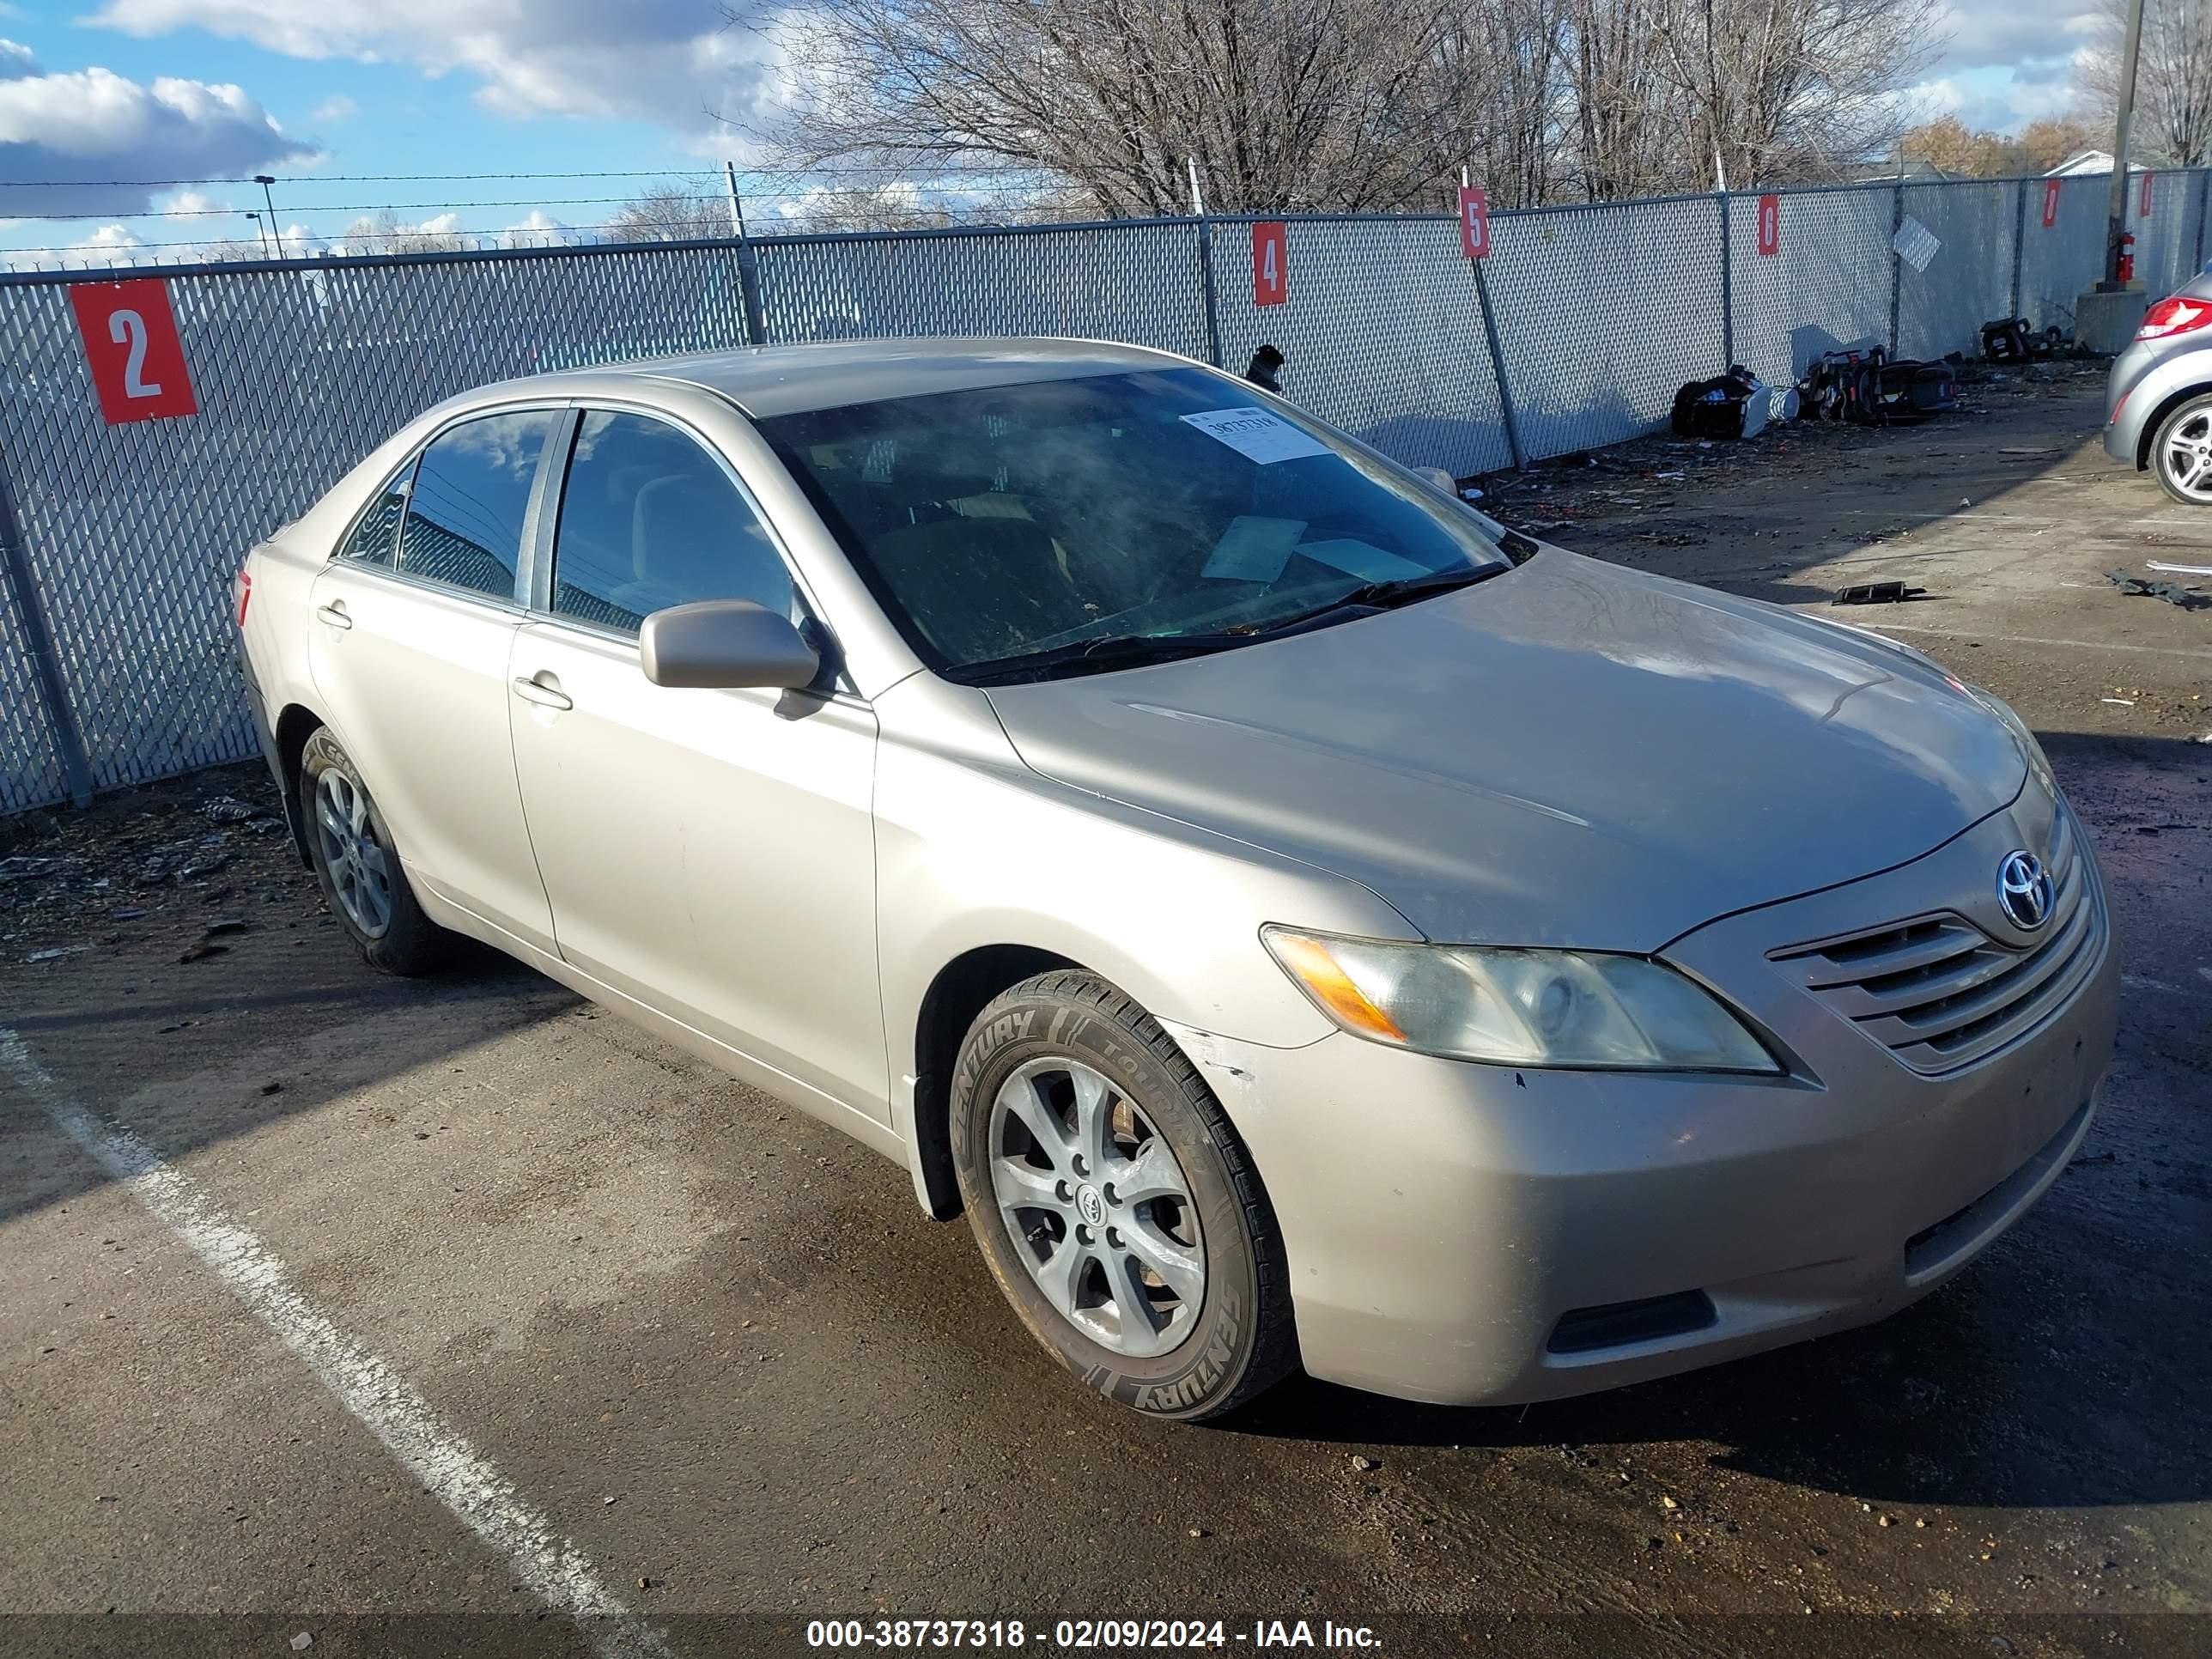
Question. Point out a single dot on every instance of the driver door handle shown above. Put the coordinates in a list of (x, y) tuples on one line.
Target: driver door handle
[(544, 691), (334, 613)]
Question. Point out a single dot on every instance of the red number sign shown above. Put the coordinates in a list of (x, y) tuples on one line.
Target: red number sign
[(1474, 222), (2144, 212), (1770, 224), (2049, 203), (130, 342), (1271, 262)]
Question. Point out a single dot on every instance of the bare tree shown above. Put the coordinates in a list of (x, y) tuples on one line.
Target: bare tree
[(1349, 104), (1508, 58), (672, 213), (1283, 104), (1791, 90), (1624, 115), (2173, 78)]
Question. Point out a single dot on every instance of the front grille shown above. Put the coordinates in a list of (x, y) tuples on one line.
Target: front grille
[(1939, 992)]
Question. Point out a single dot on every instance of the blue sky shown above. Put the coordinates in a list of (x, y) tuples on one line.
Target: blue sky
[(309, 90)]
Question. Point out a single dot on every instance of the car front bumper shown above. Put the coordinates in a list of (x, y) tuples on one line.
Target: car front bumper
[(1476, 1234)]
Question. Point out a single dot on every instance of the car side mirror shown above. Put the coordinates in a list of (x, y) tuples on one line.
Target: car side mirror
[(724, 643), (1442, 479)]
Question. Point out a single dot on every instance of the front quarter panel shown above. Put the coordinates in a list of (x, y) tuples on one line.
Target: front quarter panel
[(973, 850)]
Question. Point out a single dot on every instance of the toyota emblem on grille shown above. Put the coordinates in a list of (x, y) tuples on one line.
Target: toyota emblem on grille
[(2024, 891)]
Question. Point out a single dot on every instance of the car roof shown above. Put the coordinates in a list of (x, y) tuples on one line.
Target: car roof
[(770, 380)]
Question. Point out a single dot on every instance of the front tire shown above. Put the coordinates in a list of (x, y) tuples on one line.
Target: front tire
[(1115, 1204), (363, 881), (2181, 453)]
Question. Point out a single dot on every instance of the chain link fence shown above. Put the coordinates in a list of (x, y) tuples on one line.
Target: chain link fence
[(118, 543)]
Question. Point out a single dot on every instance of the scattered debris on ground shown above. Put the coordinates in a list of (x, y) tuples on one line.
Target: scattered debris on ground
[(2172, 593), (1888, 592), (185, 860)]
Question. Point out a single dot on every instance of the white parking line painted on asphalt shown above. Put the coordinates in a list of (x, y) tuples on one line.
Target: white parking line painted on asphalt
[(434, 1452)]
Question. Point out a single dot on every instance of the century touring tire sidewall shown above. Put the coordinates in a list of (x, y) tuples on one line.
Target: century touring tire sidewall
[(1207, 1366)]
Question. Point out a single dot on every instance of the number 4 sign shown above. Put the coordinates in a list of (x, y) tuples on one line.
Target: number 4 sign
[(1271, 262), (130, 342)]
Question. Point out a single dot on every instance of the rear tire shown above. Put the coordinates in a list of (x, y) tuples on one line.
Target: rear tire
[(2181, 453), (363, 881), (1115, 1204)]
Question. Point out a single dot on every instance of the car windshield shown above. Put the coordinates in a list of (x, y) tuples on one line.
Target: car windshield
[(1072, 526)]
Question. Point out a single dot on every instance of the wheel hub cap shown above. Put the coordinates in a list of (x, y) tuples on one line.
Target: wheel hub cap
[(1099, 1210), (359, 873)]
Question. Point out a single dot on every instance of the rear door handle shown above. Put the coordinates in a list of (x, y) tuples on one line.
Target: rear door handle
[(539, 691), (334, 613)]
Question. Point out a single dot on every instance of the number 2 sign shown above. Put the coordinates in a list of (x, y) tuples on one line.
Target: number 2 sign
[(130, 342), (1271, 272)]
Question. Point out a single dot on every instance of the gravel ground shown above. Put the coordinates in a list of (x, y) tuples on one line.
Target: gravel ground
[(712, 1348)]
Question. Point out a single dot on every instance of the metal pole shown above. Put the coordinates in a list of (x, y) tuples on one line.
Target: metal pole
[(2116, 212), (39, 645), (2019, 239), (2203, 206), (1728, 289), (748, 263), (1896, 262), (1497, 368), (1205, 266)]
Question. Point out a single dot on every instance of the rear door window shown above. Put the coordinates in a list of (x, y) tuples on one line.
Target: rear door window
[(463, 523)]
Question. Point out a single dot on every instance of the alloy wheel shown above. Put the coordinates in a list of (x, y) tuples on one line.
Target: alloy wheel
[(2186, 455), (1098, 1207), (359, 866)]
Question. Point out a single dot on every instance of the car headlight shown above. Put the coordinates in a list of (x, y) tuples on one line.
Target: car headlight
[(1523, 1007)]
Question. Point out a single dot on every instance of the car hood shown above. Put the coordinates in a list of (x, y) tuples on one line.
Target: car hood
[(1569, 753)]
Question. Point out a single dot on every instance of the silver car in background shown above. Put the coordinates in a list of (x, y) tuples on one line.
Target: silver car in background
[(1298, 921), (2158, 398)]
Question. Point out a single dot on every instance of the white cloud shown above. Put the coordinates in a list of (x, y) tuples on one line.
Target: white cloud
[(334, 110), (192, 205), (540, 229), (58, 130), (670, 61), (1999, 32), (111, 245)]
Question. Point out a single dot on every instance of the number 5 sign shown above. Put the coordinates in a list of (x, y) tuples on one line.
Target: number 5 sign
[(1271, 262), (130, 342), (1474, 222)]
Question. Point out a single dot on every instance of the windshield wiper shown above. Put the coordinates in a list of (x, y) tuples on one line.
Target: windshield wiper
[(1108, 651), (1370, 596), (1404, 589), (1112, 651)]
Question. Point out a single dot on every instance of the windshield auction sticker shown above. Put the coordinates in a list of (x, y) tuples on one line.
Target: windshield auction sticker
[(1257, 435)]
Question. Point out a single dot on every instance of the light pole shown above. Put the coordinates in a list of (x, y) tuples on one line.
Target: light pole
[(2116, 213), (261, 230), (268, 201)]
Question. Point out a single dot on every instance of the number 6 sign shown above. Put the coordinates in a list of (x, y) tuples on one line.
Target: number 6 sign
[(131, 343)]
